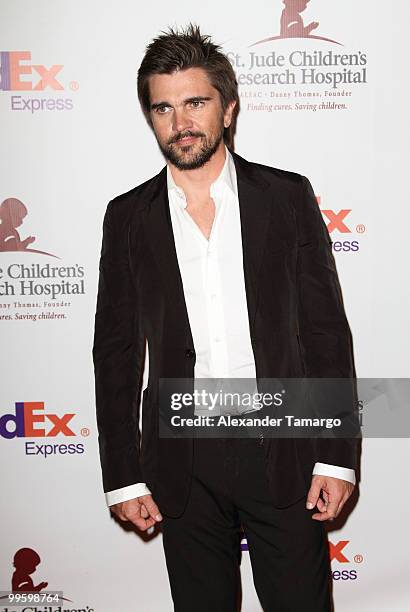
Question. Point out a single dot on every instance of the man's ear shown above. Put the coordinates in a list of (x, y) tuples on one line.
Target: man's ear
[(228, 113)]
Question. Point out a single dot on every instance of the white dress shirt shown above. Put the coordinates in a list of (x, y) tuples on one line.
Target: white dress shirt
[(214, 289)]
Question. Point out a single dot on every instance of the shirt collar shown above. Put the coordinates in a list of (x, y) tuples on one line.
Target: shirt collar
[(226, 178)]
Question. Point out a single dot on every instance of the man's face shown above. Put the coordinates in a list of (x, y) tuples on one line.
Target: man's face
[(187, 117)]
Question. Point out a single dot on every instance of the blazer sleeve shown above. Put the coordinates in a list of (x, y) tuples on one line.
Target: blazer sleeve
[(118, 355), (324, 332)]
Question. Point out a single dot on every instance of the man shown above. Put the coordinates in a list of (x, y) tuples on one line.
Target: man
[(225, 267)]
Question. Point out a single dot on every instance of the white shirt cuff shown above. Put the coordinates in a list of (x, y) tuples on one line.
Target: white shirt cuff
[(326, 469), (125, 493)]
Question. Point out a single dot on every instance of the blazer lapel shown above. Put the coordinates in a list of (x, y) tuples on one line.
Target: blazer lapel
[(160, 238), (255, 211)]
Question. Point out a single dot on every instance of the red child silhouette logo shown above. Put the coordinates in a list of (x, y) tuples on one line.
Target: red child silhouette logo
[(292, 24), (25, 561), (12, 214)]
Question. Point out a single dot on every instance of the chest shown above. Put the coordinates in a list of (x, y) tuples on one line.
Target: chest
[(203, 216)]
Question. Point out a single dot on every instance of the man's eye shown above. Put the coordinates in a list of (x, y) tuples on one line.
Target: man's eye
[(197, 103), (162, 109)]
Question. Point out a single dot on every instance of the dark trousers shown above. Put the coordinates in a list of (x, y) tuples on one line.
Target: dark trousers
[(288, 549)]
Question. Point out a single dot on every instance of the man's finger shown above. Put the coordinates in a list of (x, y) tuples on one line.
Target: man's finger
[(313, 493), (141, 523), (134, 516), (321, 505), (151, 507), (329, 514), (144, 524), (144, 511), (129, 511)]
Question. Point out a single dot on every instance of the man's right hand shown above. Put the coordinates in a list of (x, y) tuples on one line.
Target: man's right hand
[(142, 511)]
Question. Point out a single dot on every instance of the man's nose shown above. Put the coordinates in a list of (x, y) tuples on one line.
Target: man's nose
[(181, 120)]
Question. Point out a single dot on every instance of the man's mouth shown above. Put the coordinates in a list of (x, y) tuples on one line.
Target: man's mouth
[(186, 140)]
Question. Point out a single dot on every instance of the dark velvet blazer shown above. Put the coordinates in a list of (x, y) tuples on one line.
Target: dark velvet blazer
[(297, 323)]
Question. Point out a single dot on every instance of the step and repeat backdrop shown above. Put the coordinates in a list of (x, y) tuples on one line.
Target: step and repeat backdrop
[(332, 104)]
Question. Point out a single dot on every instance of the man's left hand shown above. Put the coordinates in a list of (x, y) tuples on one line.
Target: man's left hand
[(336, 492)]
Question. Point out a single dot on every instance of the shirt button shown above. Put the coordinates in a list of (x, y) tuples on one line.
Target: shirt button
[(217, 339), (189, 353)]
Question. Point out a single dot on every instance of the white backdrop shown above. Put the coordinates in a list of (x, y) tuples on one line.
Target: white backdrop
[(73, 137)]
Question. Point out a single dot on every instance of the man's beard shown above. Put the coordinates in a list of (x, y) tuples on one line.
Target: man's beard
[(207, 149)]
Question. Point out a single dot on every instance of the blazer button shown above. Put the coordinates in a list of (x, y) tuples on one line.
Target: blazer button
[(189, 353)]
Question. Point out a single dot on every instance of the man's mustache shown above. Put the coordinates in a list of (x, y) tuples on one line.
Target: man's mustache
[(185, 135)]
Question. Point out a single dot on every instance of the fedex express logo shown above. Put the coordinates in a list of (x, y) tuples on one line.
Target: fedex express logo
[(337, 553), (24, 422), (31, 421), (19, 74), (338, 222), (12, 70)]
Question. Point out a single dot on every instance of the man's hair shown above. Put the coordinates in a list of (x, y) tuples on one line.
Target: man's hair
[(178, 50)]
